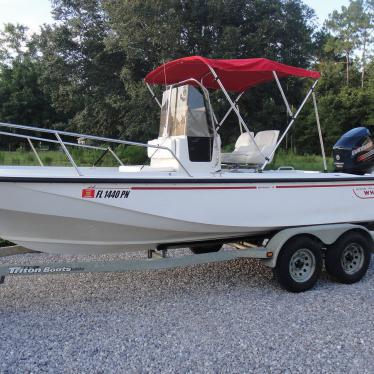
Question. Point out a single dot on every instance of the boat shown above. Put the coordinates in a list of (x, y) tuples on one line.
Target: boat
[(191, 193)]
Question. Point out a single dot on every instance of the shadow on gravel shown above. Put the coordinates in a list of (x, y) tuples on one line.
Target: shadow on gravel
[(224, 317)]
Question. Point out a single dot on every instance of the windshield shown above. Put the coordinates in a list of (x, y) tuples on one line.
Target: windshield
[(188, 113)]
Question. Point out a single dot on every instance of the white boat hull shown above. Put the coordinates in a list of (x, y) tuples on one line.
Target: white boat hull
[(78, 218)]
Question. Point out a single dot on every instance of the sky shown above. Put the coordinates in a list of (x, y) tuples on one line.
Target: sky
[(33, 13), (324, 7)]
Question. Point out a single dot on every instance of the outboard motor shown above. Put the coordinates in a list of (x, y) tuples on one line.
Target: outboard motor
[(354, 152)]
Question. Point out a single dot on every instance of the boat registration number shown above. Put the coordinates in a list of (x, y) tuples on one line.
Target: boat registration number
[(92, 193)]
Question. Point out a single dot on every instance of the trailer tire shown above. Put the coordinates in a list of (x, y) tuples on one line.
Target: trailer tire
[(299, 264), (198, 250), (348, 259)]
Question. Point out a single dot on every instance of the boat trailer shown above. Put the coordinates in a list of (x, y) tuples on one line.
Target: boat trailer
[(296, 255), (156, 260)]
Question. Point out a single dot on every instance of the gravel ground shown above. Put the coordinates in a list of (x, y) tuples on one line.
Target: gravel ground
[(219, 318)]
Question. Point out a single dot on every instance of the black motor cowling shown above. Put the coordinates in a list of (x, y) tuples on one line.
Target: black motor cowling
[(354, 152)]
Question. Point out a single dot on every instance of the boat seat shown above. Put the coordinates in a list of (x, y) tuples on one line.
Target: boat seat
[(162, 158), (244, 140), (246, 152)]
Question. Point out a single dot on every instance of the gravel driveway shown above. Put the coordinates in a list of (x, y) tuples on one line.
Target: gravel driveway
[(219, 318)]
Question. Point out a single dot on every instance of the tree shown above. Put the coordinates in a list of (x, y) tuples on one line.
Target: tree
[(150, 32), (345, 41), (352, 29), (82, 74), (14, 43), (22, 99), (86, 71), (364, 16)]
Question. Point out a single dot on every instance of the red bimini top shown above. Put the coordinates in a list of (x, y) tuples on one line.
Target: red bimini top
[(236, 75)]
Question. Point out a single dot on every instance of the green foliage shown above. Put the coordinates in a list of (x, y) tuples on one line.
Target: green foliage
[(15, 44), (341, 108), (95, 58), (22, 98), (19, 84), (85, 72), (80, 73), (47, 160), (152, 32), (132, 155), (135, 155), (352, 31), (83, 157), (299, 162)]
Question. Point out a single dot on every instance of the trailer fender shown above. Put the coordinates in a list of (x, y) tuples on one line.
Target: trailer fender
[(327, 234)]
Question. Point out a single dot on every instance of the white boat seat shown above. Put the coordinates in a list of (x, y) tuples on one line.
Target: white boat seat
[(246, 151), (244, 140)]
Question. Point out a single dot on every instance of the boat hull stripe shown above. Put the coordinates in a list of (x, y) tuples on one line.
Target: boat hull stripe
[(170, 181), (196, 188), (136, 188)]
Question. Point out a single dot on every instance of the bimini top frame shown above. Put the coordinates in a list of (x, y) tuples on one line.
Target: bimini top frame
[(236, 75)]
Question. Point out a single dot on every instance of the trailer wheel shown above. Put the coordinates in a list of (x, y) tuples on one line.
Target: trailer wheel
[(348, 259), (299, 264), (205, 249)]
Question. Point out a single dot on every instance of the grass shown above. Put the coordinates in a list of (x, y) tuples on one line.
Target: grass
[(299, 162), (135, 155), (83, 157)]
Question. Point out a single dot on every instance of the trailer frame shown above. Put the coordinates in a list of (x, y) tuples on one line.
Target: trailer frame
[(268, 253)]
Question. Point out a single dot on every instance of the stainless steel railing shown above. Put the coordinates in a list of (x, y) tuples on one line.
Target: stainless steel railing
[(57, 134)]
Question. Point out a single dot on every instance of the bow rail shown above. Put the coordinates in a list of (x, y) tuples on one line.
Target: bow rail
[(58, 133)]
